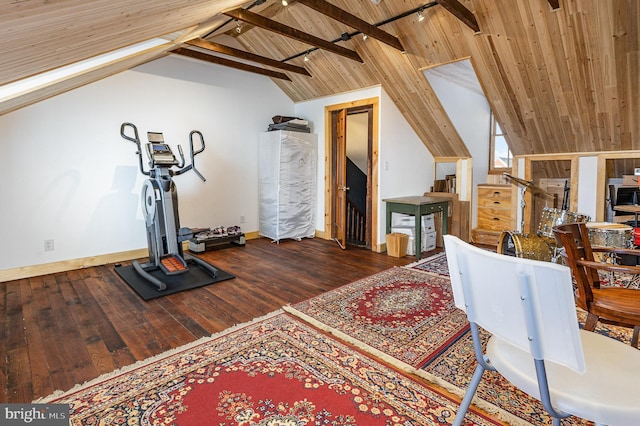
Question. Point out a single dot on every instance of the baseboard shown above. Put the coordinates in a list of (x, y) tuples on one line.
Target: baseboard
[(85, 262), (70, 265)]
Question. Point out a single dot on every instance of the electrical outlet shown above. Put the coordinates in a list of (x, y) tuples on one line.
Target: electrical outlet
[(48, 245), (241, 219)]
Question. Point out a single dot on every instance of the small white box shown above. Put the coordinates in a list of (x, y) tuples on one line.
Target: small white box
[(409, 230), (428, 240), (407, 220), (428, 223)]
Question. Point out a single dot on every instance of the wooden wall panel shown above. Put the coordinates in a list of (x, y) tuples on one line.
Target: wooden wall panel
[(563, 80)]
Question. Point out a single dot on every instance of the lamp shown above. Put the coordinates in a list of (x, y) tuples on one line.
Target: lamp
[(420, 16), (238, 26), (306, 57), (285, 3)]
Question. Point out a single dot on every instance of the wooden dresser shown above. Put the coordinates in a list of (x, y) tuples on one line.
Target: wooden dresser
[(494, 213)]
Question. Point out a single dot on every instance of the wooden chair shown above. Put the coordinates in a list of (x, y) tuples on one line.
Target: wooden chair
[(528, 308), (610, 305)]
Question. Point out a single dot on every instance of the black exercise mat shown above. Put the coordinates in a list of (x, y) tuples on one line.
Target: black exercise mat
[(193, 278)]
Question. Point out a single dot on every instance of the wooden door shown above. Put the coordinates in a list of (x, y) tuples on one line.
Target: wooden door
[(340, 214)]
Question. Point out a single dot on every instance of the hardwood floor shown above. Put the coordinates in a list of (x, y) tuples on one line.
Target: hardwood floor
[(63, 329)]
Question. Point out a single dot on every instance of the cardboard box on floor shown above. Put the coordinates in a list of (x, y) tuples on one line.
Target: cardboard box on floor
[(458, 217)]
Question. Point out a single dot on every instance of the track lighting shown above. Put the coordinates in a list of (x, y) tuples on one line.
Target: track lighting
[(238, 26), (306, 57), (285, 3), (364, 37), (420, 16)]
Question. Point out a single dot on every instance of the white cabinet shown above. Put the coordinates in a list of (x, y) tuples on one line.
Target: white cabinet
[(287, 172)]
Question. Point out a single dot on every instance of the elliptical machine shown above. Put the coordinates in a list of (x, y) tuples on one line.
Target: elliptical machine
[(159, 200)]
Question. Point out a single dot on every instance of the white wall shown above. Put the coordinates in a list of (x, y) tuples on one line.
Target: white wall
[(588, 181), (68, 176), (357, 140), (405, 164), (470, 114)]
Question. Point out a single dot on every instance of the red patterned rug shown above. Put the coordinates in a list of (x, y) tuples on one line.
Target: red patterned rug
[(402, 315), (399, 313), (275, 371)]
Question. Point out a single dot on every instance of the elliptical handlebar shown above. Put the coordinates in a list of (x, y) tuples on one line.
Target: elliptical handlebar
[(181, 165), (136, 140), (193, 154)]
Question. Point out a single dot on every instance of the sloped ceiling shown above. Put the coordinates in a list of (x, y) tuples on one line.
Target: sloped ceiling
[(558, 80)]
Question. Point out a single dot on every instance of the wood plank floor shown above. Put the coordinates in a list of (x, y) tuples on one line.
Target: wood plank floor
[(63, 329)]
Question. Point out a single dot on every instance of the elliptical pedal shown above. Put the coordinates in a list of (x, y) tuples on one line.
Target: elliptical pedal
[(171, 265)]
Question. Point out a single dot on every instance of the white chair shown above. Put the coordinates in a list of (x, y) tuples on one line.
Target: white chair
[(536, 344)]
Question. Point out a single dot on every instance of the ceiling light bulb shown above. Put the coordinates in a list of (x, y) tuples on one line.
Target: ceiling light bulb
[(364, 37), (306, 57), (420, 16), (285, 3)]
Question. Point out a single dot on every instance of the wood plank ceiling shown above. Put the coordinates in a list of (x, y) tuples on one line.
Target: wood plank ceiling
[(560, 75)]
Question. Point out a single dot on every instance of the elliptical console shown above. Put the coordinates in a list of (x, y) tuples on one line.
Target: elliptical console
[(159, 200)]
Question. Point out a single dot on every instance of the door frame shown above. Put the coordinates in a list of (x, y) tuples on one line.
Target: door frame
[(330, 191)]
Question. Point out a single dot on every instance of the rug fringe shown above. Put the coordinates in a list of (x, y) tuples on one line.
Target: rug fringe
[(402, 366), (478, 402), (139, 364), (352, 341)]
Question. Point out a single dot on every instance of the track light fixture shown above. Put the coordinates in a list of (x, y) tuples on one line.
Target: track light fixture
[(238, 26), (306, 57), (420, 16), (364, 37), (285, 3)]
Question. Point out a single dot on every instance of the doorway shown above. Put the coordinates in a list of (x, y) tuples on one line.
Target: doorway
[(351, 173)]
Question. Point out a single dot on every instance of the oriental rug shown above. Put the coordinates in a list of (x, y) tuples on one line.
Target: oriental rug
[(273, 371), (454, 367), (399, 313), (436, 264)]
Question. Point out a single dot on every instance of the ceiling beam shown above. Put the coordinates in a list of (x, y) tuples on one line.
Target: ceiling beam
[(462, 13), (353, 21), (268, 24), (237, 53), (555, 4), (229, 63)]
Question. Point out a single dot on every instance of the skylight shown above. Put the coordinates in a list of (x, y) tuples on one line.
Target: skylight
[(44, 79)]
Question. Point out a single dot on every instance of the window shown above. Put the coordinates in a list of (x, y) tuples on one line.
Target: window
[(500, 155)]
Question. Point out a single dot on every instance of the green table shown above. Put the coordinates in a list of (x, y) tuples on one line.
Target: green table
[(418, 206)]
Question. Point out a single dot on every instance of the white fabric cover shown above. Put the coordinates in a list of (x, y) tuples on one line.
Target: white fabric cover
[(287, 170)]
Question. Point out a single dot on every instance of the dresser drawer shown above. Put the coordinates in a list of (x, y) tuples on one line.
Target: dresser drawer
[(494, 219), (495, 197)]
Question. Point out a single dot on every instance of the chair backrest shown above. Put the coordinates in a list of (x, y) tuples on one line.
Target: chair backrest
[(574, 238), (525, 302)]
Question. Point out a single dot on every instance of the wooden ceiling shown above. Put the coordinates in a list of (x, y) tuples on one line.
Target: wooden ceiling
[(560, 75)]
